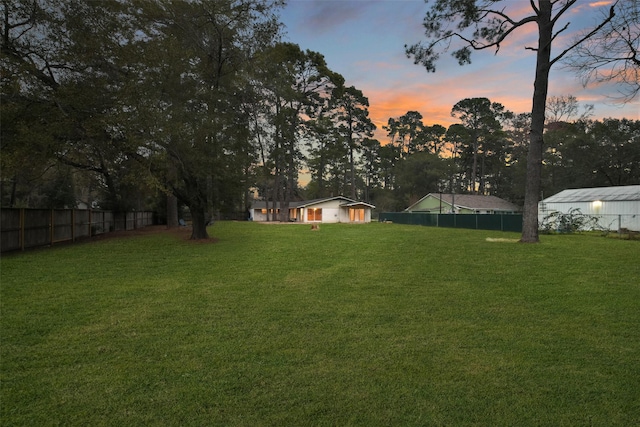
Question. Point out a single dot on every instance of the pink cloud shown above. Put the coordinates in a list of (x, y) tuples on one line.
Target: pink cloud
[(434, 95), (601, 3)]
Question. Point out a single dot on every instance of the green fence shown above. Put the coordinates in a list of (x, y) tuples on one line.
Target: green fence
[(506, 222)]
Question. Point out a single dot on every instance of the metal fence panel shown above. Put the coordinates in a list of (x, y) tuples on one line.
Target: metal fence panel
[(507, 222), (489, 222), (512, 223), (446, 220), (466, 221)]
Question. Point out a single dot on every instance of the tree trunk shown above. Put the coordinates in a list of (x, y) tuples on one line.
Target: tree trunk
[(352, 176), (199, 223), (172, 211), (482, 175), (321, 167), (14, 188), (276, 193), (536, 141), (474, 168)]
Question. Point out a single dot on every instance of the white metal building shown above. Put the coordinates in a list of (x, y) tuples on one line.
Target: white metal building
[(615, 207)]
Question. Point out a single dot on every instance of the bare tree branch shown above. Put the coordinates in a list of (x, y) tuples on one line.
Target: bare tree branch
[(586, 36), (613, 53)]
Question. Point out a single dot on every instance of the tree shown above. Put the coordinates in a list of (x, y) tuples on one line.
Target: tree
[(137, 95), (565, 107), (455, 137), (411, 127), (354, 124), (370, 164), (318, 145), (482, 118), (561, 128), (418, 174), (65, 93), (596, 154), (405, 132), (193, 86), (297, 88), (432, 138), (469, 25), (389, 157), (515, 161), (613, 53), (329, 159), (392, 128), (618, 142)]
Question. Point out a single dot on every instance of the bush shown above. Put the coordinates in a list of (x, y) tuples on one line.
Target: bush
[(569, 222)]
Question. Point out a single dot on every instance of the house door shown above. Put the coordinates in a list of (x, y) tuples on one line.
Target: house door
[(356, 215), (314, 214)]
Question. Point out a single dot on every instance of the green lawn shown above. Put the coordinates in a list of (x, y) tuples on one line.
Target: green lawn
[(367, 325)]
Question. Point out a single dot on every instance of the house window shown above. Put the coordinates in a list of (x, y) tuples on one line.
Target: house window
[(356, 215), (314, 214)]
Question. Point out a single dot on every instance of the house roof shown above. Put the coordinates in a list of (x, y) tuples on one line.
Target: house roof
[(354, 203), (604, 194), (261, 204), (472, 201)]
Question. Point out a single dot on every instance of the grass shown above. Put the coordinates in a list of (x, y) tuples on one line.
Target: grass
[(369, 325)]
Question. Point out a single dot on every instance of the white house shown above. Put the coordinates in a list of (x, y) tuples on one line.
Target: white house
[(327, 210), (615, 207)]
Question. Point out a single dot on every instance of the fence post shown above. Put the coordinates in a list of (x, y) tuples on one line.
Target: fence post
[(51, 227), (21, 229)]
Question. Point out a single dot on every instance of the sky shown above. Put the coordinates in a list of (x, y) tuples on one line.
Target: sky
[(364, 41)]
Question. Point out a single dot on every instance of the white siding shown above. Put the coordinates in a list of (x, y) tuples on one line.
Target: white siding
[(611, 214), (330, 211), (257, 215)]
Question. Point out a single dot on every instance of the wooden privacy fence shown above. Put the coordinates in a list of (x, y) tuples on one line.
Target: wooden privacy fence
[(29, 228), (500, 222)]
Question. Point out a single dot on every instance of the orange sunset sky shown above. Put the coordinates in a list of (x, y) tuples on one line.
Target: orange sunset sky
[(364, 41)]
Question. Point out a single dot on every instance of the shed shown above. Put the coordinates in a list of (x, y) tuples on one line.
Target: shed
[(615, 207), (325, 210), (463, 203)]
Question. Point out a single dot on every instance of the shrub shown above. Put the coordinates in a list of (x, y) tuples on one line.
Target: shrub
[(570, 222)]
